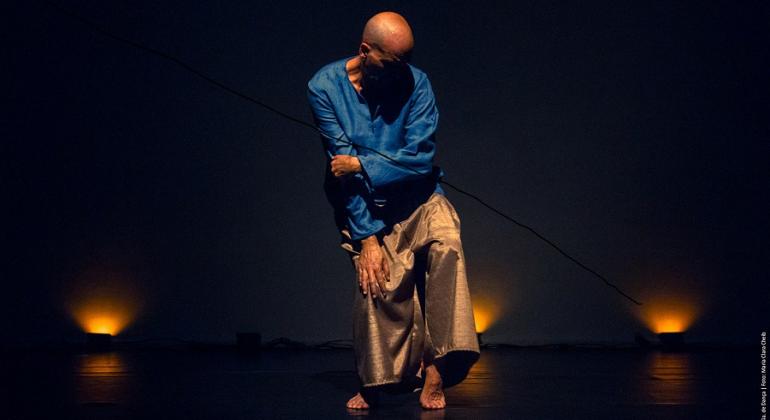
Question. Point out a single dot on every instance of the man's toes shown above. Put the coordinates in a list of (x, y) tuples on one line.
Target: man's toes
[(358, 405), (357, 402), (432, 402)]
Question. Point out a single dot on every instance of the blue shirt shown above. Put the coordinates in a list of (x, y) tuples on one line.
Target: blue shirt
[(383, 193)]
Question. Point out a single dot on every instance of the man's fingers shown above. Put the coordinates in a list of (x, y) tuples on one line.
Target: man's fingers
[(337, 170), (381, 283), (340, 166), (364, 282), (374, 288), (360, 277), (335, 167), (386, 269)]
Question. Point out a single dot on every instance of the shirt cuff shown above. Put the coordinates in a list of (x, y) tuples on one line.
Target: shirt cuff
[(357, 234), (370, 171)]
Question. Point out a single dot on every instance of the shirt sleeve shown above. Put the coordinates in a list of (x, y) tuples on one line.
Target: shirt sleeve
[(419, 148), (355, 188)]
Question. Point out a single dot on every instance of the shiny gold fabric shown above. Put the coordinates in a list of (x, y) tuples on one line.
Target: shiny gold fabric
[(427, 309)]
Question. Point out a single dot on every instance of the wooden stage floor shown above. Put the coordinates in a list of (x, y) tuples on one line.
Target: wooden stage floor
[(519, 383)]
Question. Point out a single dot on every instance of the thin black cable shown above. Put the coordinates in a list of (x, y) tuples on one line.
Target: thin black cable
[(581, 265), (239, 94)]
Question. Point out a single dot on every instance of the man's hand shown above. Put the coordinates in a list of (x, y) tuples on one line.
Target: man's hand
[(345, 164), (373, 270)]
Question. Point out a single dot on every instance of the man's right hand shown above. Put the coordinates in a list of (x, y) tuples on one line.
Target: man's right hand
[(373, 270)]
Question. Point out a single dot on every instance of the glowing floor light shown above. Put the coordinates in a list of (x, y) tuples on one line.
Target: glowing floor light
[(103, 317), (103, 301), (101, 321), (485, 313), (102, 324), (669, 316)]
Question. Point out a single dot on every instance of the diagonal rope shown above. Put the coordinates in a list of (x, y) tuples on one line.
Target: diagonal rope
[(270, 108)]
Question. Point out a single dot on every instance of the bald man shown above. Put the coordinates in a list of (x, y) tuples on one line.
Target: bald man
[(413, 325)]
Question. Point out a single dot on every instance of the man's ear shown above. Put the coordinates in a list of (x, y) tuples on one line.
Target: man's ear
[(364, 49)]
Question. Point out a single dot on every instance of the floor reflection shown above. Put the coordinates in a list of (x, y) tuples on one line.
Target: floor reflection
[(478, 387), (433, 414), (517, 383), (102, 378), (670, 379)]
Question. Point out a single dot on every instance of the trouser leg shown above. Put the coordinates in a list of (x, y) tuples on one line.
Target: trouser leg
[(451, 342), (427, 312), (388, 333)]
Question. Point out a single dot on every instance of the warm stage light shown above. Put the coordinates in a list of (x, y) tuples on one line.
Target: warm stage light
[(669, 314), (485, 312), (671, 322), (103, 324), (103, 317), (102, 301)]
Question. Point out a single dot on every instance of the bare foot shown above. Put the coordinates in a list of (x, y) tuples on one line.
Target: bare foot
[(432, 396), (365, 398), (357, 402)]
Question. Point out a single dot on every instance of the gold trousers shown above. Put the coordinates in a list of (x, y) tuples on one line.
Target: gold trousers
[(427, 311)]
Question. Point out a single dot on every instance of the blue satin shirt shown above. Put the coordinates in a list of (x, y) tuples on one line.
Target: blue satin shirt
[(383, 193)]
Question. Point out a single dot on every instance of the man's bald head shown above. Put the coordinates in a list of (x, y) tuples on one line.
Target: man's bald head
[(390, 32)]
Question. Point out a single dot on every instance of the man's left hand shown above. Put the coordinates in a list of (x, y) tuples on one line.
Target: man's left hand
[(345, 164)]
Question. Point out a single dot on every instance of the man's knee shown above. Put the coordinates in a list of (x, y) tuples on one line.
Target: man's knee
[(447, 246)]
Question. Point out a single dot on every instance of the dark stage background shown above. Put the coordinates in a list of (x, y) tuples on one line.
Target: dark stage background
[(141, 199)]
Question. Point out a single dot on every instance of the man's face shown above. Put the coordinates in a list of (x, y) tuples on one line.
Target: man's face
[(384, 69)]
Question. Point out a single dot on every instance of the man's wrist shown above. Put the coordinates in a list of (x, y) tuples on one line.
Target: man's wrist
[(370, 241)]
